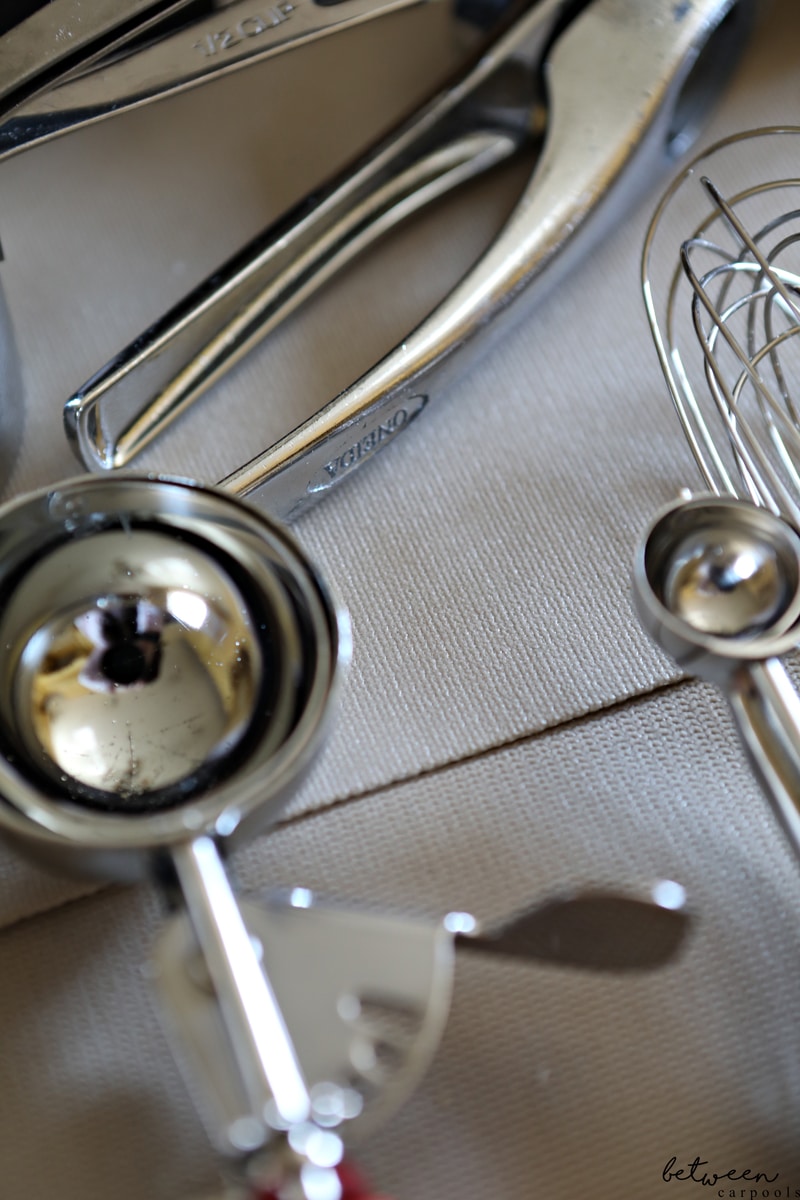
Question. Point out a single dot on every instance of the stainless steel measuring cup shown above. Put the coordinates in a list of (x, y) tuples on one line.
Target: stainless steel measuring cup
[(169, 660)]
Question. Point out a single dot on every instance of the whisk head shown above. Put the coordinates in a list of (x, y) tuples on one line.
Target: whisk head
[(721, 281)]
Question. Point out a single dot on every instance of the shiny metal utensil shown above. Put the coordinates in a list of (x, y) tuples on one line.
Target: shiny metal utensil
[(169, 661), (116, 593), (717, 580), (593, 929), (44, 43), (607, 126), (65, 64), (366, 998), (170, 658), (717, 585), (720, 276)]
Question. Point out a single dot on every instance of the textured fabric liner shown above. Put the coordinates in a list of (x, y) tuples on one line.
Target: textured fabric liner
[(549, 1082), (506, 729)]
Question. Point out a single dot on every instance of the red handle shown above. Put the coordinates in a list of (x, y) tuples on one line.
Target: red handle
[(354, 1186)]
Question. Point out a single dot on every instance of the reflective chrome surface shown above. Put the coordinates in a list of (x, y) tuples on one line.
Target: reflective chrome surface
[(717, 580), (169, 661), (725, 582), (138, 804), (720, 284), (717, 586), (366, 996), (151, 666), (121, 605), (71, 64), (720, 280), (64, 36), (606, 128), (194, 345), (259, 1048)]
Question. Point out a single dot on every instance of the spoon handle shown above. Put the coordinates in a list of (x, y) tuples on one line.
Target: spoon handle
[(767, 711), (594, 929), (253, 1021)]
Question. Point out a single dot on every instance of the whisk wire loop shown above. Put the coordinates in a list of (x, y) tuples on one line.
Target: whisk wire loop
[(762, 482), (724, 318), (751, 243)]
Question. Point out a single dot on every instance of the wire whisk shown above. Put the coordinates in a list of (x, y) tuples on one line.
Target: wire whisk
[(724, 318), (717, 578)]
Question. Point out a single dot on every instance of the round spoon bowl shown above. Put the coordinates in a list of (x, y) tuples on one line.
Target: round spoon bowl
[(169, 660), (717, 583)]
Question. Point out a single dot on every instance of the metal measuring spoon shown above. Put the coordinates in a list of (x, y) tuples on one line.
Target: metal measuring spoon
[(717, 586), (169, 657)]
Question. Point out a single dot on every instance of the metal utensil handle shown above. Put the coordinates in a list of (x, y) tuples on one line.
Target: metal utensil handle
[(64, 36), (187, 351), (179, 356), (260, 1042), (181, 56), (767, 711), (614, 77)]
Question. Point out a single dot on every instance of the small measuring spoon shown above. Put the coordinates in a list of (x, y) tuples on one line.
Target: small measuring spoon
[(169, 658), (717, 586)]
